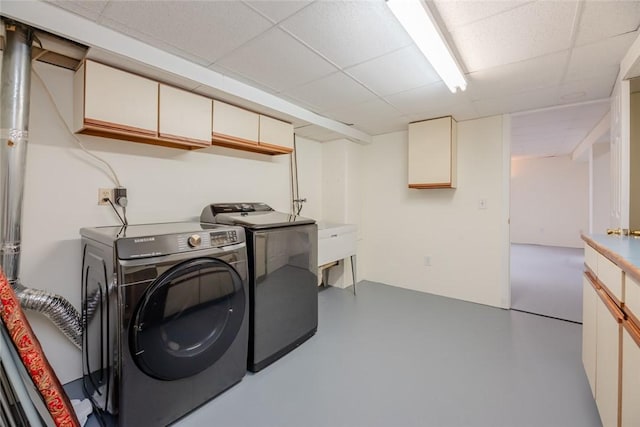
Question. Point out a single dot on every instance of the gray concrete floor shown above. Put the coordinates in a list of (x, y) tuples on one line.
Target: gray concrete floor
[(547, 280), (395, 357)]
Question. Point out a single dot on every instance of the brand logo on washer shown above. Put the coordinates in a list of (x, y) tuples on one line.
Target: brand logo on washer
[(144, 239)]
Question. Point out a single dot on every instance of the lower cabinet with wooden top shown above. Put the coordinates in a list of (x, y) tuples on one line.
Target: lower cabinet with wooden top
[(610, 329)]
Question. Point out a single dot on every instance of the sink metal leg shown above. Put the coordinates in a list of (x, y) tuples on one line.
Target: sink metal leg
[(353, 272)]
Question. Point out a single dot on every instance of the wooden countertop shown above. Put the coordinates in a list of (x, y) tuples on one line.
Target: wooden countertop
[(624, 251)]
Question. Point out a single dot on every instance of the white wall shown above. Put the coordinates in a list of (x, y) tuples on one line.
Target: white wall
[(164, 184), (402, 226), (601, 187), (549, 201)]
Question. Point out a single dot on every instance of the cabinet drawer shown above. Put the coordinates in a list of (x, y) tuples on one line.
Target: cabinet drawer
[(611, 276), (591, 258), (632, 297)]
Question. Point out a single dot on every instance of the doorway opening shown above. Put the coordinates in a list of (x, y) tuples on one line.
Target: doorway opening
[(552, 194)]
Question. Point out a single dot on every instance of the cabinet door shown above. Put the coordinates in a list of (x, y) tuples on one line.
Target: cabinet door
[(276, 133), (184, 116), (115, 99), (589, 310), (432, 153), (234, 124), (608, 338), (630, 376)]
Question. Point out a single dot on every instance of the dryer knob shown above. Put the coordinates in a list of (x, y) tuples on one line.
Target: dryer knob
[(194, 240)]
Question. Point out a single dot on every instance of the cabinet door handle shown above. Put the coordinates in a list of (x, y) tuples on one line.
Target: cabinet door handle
[(633, 330), (612, 306)]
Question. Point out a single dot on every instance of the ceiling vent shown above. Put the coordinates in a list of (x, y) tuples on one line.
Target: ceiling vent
[(54, 50)]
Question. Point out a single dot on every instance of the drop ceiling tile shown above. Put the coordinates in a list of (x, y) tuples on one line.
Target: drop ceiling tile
[(207, 30), (597, 87), (457, 13), (348, 32), (461, 111), (536, 73), (604, 19), (276, 11), (90, 9), (527, 100), (145, 38), (532, 30), (425, 99), (331, 92), (128, 64), (373, 117), (395, 72), (277, 60), (590, 60), (554, 131)]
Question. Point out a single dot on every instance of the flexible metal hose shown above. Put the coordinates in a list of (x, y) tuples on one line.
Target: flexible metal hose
[(56, 308)]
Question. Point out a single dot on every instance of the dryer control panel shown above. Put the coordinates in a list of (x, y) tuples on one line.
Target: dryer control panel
[(158, 245), (223, 238)]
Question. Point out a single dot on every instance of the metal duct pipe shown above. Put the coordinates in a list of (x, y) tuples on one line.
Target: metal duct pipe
[(14, 135)]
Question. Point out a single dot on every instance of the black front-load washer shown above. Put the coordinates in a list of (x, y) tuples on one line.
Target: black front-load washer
[(283, 284), (165, 314)]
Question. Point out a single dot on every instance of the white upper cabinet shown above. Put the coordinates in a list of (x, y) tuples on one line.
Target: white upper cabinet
[(110, 99), (184, 116), (276, 133), (433, 153), (234, 125)]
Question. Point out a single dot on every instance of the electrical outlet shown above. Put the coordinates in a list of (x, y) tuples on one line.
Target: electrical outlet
[(105, 194), (427, 261)]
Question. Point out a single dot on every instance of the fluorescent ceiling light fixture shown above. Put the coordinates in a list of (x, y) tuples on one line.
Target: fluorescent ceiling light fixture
[(416, 18)]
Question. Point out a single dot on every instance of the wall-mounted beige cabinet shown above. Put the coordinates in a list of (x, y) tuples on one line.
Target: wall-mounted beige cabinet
[(433, 153), (275, 133), (236, 127), (184, 116), (115, 104), (113, 100), (234, 124)]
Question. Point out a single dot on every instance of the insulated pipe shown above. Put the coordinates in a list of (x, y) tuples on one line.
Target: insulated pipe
[(14, 135), (14, 123)]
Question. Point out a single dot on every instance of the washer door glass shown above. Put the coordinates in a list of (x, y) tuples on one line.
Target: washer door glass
[(187, 319)]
